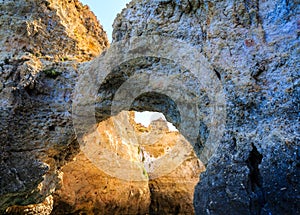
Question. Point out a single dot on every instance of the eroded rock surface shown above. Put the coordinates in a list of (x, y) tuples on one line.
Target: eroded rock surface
[(43, 208), (87, 188), (42, 43), (253, 47), (60, 30), (171, 193)]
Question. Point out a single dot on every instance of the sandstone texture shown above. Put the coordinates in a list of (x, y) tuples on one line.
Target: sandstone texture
[(43, 208), (85, 188), (171, 193), (56, 30), (253, 47), (42, 43)]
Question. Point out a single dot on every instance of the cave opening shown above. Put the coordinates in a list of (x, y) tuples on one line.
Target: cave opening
[(151, 168), (148, 138), (170, 193), (142, 175)]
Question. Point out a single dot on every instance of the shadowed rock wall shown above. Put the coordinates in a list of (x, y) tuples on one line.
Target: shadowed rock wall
[(253, 47), (41, 45)]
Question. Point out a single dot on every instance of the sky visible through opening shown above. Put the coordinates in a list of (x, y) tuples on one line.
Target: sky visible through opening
[(146, 117), (106, 12)]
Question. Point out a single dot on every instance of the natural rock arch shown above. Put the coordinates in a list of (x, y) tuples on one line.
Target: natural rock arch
[(189, 86), (253, 47), (237, 38)]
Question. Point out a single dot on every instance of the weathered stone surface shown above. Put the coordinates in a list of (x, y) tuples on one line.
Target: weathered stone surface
[(253, 47), (41, 43), (174, 192), (43, 208), (60, 30), (86, 188), (171, 193)]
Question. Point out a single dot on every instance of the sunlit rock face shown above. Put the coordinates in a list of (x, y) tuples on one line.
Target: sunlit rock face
[(171, 193), (43, 208), (50, 29), (87, 189), (253, 47), (101, 188), (41, 45)]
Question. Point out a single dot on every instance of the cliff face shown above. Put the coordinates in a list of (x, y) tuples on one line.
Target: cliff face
[(56, 30), (91, 189), (172, 192), (42, 43), (86, 189), (253, 48)]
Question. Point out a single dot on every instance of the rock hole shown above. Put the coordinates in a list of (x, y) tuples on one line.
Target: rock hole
[(218, 74), (144, 137), (51, 128), (253, 161), (255, 181)]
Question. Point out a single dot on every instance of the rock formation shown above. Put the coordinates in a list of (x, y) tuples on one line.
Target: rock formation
[(88, 189), (42, 43), (252, 48), (43, 208), (170, 193), (56, 30)]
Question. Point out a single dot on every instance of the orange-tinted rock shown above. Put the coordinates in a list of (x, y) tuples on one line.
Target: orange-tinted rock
[(87, 188), (42, 43), (43, 208), (59, 30)]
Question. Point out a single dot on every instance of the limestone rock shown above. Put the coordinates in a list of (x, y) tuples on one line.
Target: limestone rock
[(86, 189), (42, 43), (174, 192), (253, 47), (91, 189), (171, 193), (44, 208), (60, 30)]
